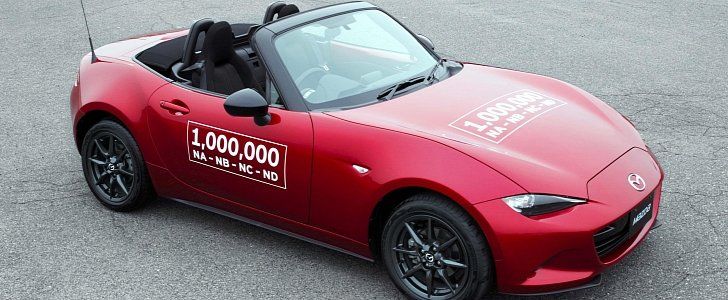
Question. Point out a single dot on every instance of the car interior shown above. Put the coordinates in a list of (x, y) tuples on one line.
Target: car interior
[(215, 56), (324, 59)]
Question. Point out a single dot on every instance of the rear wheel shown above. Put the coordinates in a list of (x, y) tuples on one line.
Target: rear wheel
[(434, 250), (114, 168)]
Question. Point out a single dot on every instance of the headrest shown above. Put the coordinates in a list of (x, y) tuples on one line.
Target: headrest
[(218, 46), (288, 10), (272, 10), (192, 41)]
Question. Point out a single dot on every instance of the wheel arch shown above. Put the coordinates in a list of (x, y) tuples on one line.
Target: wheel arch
[(387, 203), (383, 209), (118, 90), (93, 112), (88, 120)]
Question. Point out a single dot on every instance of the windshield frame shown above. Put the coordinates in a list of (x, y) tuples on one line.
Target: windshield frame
[(264, 43)]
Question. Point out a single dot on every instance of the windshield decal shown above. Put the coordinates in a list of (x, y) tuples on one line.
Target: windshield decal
[(497, 119)]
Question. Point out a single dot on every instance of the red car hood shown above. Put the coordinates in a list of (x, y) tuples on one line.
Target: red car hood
[(561, 138)]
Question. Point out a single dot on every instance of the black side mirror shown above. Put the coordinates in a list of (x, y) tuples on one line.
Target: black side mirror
[(426, 41), (248, 103)]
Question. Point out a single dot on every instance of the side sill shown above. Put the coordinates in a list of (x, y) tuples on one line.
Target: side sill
[(268, 227)]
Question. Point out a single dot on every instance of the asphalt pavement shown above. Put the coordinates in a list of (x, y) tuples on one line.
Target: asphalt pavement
[(663, 64)]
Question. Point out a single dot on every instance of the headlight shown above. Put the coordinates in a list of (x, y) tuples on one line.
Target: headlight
[(531, 204)]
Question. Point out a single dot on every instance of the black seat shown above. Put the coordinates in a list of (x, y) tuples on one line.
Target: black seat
[(224, 71)]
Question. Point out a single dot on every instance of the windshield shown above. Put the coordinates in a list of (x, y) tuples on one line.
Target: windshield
[(346, 60)]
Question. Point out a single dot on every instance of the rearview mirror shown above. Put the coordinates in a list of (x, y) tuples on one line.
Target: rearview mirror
[(426, 41), (248, 103)]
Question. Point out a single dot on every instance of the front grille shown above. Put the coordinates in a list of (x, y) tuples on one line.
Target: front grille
[(613, 235), (610, 237)]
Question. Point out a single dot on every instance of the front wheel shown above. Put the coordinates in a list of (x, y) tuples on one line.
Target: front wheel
[(432, 249), (114, 168)]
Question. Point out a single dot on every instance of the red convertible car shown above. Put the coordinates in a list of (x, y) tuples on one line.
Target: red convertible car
[(342, 127)]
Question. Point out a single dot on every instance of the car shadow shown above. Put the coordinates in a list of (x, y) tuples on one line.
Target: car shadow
[(244, 236)]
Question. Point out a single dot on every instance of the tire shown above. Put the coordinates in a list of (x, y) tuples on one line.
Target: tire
[(448, 222), (117, 178)]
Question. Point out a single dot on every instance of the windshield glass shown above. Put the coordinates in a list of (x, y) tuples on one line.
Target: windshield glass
[(346, 60)]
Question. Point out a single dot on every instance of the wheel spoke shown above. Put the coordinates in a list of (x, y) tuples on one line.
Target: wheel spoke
[(110, 185), (449, 243), (414, 235), (102, 176), (101, 148), (412, 271), (96, 161), (120, 182), (454, 264), (443, 276), (111, 145), (430, 283), (430, 233), (406, 252), (122, 153), (126, 173)]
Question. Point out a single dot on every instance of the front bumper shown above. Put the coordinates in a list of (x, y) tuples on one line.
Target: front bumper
[(557, 251)]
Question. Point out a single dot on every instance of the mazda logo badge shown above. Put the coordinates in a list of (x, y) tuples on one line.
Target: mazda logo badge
[(636, 182)]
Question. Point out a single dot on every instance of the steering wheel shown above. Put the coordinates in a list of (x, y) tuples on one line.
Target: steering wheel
[(308, 81)]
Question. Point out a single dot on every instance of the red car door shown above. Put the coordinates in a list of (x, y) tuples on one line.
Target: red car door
[(264, 167)]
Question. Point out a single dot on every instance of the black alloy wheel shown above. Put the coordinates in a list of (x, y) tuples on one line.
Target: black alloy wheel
[(433, 250), (431, 256), (113, 167)]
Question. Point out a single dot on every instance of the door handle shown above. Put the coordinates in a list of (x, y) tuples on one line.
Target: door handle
[(175, 107)]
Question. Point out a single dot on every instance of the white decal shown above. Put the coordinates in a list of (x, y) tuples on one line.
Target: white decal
[(246, 156), (499, 118)]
